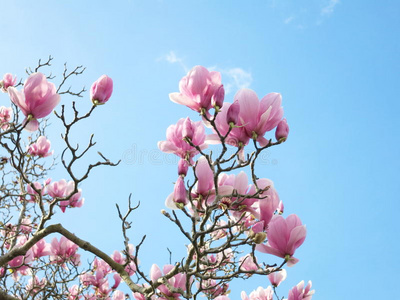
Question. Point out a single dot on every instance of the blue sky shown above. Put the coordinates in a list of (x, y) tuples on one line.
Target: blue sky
[(336, 63)]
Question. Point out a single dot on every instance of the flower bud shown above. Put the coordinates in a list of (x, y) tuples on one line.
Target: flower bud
[(217, 99), (282, 131), (101, 90), (232, 115), (180, 191), (183, 166), (8, 80), (187, 130), (280, 207)]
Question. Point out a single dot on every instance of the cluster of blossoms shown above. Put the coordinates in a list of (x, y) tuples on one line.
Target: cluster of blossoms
[(254, 208), (229, 211)]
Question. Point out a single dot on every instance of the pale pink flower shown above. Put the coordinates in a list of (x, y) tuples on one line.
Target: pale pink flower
[(247, 263), (118, 295), (8, 80), (37, 99), (118, 257), (197, 89), (259, 294), (282, 130), (284, 237), (101, 90), (212, 288), (40, 249), (177, 281), (298, 292), (269, 202), (258, 117), (232, 115), (175, 140), (222, 298), (237, 136), (62, 189), (73, 293), (277, 277), (40, 148), (183, 166), (6, 114), (38, 186), (180, 192), (35, 285), (63, 251)]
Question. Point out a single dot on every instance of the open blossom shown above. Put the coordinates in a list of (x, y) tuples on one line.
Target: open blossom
[(41, 148), (247, 263), (37, 99), (33, 195), (277, 277), (61, 189), (237, 136), (212, 288), (252, 117), (176, 144), (298, 292), (101, 90), (8, 80), (73, 293), (177, 281), (284, 237), (259, 294), (121, 259), (198, 88), (35, 285), (40, 249), (64, 250), (5, 117)]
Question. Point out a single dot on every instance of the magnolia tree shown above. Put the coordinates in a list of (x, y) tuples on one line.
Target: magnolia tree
[(230, 217)]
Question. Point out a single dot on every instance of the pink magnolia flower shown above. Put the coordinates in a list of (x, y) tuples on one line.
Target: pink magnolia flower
[(247, 263), (177, 281), (258, 117), (5, 117), (118, 295), (38, 186), (211, 288), (197, 89), (73, 293), (40, 148), (259, 294), (183, 167), (284, 237), (35, 285), (62, 189), (237, 136), (40, 249), (63, 251), (180, 192), (269, 202), (121, 259), (277, 277), (8, 80), (37, 99), (282, 130), (175, 140), (222, 298), (101, 90), (299, 293)]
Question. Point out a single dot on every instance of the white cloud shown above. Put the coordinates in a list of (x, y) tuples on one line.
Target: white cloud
[(329, 9), (234, 78), (288, 20), (172, 58)]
